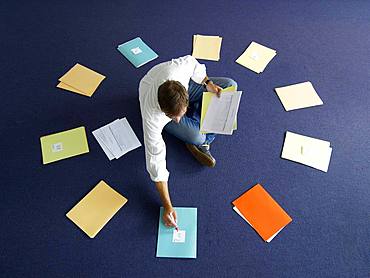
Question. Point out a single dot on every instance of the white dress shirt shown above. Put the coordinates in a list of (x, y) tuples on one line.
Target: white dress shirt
[(154, 120)]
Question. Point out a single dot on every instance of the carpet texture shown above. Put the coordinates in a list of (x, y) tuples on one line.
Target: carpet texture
[(325, 42)]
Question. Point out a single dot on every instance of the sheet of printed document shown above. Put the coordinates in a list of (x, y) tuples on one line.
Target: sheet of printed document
[(105, 139), (206, 99), (309, 151), (221, 114), (117, 138), (298, 96)]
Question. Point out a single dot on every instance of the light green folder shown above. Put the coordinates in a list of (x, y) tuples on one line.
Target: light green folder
[(64, 144), (205, 103)]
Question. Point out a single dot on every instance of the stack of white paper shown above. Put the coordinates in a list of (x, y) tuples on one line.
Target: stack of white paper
[(116, 138), (310, 151), (298, 96), (222, 113)]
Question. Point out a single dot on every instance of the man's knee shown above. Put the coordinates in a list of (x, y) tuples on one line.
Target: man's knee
[(231, 82), (196, 138)]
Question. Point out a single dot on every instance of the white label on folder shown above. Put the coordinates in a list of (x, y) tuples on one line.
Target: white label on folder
[(255, 56), (136, 50), (57, 147), (178, 236)]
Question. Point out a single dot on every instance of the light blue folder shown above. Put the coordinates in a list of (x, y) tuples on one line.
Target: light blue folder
[(137, 52), (187, 221)]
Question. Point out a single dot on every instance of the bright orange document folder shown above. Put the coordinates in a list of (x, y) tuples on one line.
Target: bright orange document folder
[(262, 212)]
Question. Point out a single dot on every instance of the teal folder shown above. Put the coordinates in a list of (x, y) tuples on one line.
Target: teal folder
[(137, 52), (186, 221)]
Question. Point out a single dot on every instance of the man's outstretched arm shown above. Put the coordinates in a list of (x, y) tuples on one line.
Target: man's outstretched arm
[(162, 188)]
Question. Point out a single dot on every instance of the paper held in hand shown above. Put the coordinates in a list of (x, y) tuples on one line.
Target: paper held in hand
[(221, 114)]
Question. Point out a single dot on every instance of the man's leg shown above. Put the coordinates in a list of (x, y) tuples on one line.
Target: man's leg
[(195, 100), (188, 129)]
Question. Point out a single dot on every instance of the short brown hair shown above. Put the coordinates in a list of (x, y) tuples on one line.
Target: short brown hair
[(172, 97)]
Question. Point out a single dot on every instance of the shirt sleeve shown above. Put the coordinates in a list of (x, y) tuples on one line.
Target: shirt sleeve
[(196, 70), (155, 151)]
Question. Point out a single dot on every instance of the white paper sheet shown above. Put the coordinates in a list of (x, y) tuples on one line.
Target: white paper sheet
[(124, 135), (102, 145), (221, 113), (106, 136), (117, 138), (178, 236)]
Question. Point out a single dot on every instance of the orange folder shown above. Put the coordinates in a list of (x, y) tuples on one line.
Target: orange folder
[(262, 212)]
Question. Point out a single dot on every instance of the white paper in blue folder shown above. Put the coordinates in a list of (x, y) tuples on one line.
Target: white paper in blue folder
[(182, 244)]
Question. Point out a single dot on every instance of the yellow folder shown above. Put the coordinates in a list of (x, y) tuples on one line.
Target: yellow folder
[(94, 211), (256, 57), (63, 86), (64, 144), (207, 99), (207, 47), (298, 96), (81, 80)]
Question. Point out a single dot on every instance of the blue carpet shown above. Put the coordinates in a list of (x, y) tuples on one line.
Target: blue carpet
[(325, 42)]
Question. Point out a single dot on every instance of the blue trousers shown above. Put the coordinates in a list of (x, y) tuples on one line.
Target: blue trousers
[(188, 129)]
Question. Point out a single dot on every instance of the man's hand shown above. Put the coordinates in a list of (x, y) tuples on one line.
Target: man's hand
[(167, 219), (162, 187), (213, 88)]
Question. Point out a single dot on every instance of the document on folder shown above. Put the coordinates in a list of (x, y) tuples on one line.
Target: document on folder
[(206, 99), (64, 144), (221, 114), (181, 243), (256, 57)]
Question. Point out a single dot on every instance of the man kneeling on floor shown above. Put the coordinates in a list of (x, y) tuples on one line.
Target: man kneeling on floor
[(170, 97)]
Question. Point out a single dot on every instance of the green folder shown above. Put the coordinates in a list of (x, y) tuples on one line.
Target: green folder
[(206, 101), (187, 221), (64, 144)]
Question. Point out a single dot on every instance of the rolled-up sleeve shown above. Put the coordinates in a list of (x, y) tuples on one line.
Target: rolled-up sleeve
[(189, 66), (155, 151), (199, 72)]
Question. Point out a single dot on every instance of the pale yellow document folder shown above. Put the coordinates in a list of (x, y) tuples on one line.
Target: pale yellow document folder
[(63, 86), (298, 96), (309, 151), (207, 47), (82, 80), (96, 209), (256, 57)]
